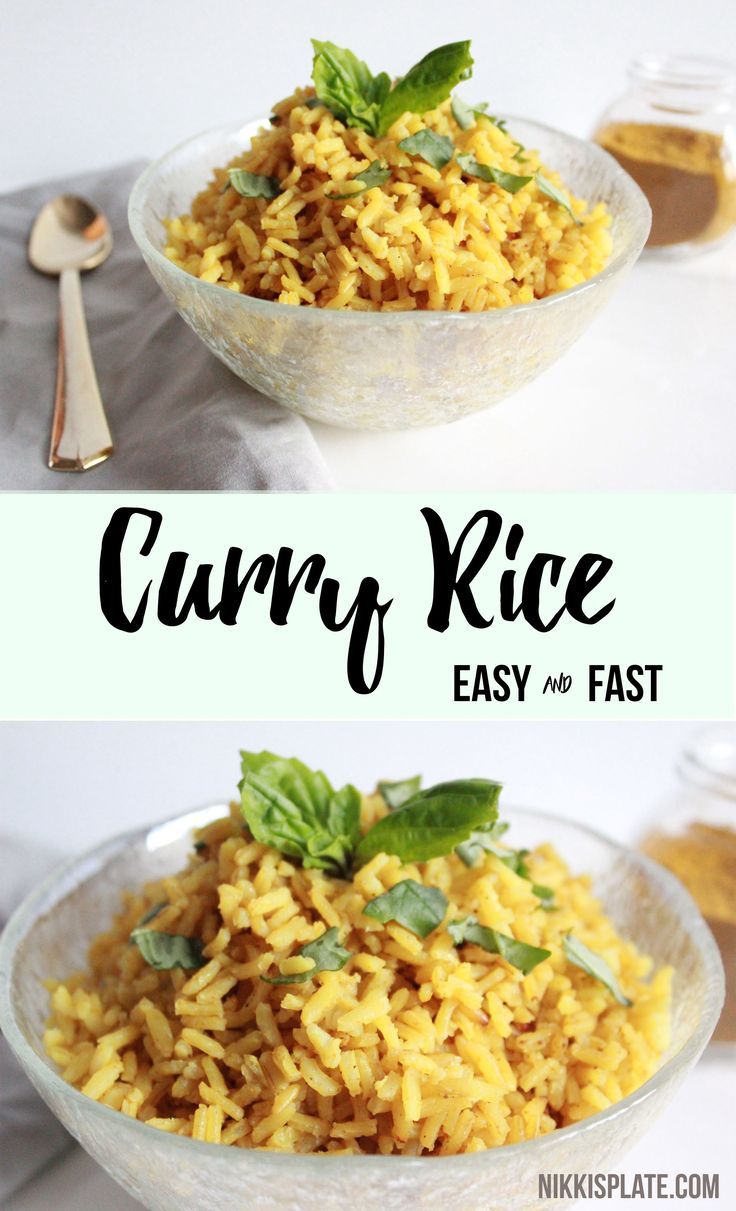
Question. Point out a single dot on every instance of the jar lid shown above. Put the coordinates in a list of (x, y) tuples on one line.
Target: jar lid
[(709, 761), (685, 81)]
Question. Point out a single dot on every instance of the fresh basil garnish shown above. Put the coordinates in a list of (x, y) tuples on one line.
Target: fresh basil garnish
[(251, 185), (296, 810), (327, 953), (418, 908), (428, 83), (375, 174), (546, 187), (433, 822), (163, 951), (395, 794), (436, 149), (506, 180), (580, 955), (519, 954), (348, 88)]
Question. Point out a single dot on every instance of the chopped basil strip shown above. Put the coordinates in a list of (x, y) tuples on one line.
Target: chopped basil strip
[(199, 846), (348, 88), (395, 794), (152, 913), (418, 908), (250, 185), (481, 840), (434, 821), (375, 174), (580, 955), (296, 810), (519, 954), (546, 187), (163, 951), (484, 840), (327, 953), (436, 149), (506, 180), (466, 115)]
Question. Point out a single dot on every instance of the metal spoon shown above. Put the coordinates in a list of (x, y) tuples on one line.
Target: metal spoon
[(70, 235)]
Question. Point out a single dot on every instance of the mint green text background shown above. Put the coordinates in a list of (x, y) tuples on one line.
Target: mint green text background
[(672, 578)]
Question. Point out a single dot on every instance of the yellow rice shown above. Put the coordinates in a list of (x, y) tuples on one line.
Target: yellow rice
[(415, 1046), (427, 239)]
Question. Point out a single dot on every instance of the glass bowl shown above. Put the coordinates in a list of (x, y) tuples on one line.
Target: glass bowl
[(49, 936), (395, 370)]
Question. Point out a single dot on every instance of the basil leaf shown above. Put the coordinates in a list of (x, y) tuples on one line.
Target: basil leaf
[(466, 115), (152, 912), (519, 954), (199, 846), (296, 810), (580, 955), (327, 953), (433, 821), (395, 794), (479, 841), (375, 174), (546, 187), (506, 180), (515, 859), (545, 894), (250, 185), (418, 908), (163, 951), (347, 87), (427, 84), (436, 149)]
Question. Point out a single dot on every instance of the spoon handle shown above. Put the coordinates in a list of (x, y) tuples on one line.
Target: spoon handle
[(80, 435)]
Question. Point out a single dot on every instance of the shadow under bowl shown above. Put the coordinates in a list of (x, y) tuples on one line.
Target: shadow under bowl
[(385, 370), (49, 935)]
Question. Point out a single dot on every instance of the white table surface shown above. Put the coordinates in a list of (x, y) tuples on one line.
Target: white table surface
[(645, 401), (116, 776)]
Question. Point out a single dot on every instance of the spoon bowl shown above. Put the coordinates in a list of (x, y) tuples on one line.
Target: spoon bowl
[(69, 233)]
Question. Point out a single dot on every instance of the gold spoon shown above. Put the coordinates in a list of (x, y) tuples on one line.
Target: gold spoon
[(70, 235)]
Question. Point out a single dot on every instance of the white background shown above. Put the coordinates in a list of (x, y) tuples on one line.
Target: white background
[(645, 400), (69, 785)]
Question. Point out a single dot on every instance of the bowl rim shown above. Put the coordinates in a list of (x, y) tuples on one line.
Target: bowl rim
[(626, 256), (26, 914)]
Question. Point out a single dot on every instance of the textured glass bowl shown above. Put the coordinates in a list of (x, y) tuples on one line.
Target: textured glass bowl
[(49, 935), (397, 370)]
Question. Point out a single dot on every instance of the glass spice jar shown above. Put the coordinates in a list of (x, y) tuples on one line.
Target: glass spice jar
[(674, 131), (694, 836)]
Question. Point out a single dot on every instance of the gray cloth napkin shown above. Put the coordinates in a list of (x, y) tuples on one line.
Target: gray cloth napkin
[(30, 1136), (179, 418)]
